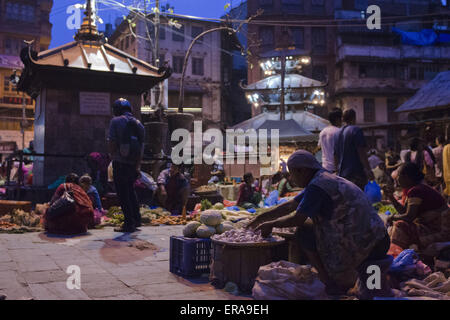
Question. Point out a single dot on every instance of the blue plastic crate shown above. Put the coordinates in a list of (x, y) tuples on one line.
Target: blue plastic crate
[(190, 257)]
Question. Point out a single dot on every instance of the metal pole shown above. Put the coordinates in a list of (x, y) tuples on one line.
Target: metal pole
[(283, 72), (23, 120), (156, 58), (157, 23)]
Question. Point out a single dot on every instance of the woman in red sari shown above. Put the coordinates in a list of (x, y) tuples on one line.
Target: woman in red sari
[(76, 221), (424, 217)]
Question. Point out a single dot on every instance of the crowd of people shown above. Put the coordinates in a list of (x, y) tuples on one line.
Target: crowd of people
[(337, 228), (118, 172)]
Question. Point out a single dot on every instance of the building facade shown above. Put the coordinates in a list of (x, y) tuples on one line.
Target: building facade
[(19, 21), (371, 71), (378, 70), (203, 74)]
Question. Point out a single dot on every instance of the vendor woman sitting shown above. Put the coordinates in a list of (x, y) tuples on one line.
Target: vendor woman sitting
[(74, 221), (345, 230), (173, 189), (247, 197), (424, 217)]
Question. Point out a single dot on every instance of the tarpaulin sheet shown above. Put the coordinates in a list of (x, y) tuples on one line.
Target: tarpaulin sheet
[(425, 37)]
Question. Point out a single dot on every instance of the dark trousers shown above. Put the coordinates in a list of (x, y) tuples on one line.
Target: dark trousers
[(124, 178)]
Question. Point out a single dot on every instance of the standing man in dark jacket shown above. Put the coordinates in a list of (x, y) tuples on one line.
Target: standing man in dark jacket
[(126, 147)]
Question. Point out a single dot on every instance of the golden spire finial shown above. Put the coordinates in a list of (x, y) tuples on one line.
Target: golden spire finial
[(88, 30)]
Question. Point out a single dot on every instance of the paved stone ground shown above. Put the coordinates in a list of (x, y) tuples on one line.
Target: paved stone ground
[(33, 266)]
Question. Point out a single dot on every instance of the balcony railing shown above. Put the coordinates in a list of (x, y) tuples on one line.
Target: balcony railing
[(390, 52)]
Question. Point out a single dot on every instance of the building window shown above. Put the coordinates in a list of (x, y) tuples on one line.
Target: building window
[(292, 6), (12, 11), (194, 100), (266, 34), (416, 73), (20, 12), (369, 110), (319, 40), (177, 64), (6, 84), (380, 71), (197, 66), (298, 34), (8, 45), (318, 6), (173, 98), (392, 104), (195, 31), (152, 31), (319, 72), (162, 33), (127, 43), (348, 4), (12, 46), (178, 34), (191, 100), (361, 5), (430, 71)]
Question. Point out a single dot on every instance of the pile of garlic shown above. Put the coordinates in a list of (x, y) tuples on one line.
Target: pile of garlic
[(285, 230), (244, 236)]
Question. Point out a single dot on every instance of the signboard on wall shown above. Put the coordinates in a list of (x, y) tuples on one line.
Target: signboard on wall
[(95, 103)]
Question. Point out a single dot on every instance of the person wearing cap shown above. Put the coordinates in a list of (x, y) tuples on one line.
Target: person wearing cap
[(338, 229), (126, 164)]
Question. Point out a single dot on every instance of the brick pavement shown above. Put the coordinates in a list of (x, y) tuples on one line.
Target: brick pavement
[(33, 266)]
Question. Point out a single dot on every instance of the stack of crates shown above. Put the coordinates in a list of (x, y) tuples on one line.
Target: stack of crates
[(190, 257)]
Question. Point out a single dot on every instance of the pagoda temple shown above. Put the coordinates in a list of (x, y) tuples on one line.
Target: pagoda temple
[(74, 86)]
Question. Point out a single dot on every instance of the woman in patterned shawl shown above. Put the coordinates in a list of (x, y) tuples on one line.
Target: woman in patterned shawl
[(76, 221), (424, 217)]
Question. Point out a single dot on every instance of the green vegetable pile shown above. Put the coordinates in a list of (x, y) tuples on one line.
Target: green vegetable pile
[(382, 208), (116, 216), (206, 204)]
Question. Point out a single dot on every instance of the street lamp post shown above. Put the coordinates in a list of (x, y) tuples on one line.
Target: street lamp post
[(283, 74)]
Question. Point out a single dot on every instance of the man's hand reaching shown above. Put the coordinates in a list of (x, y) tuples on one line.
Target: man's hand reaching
[(265, 228)]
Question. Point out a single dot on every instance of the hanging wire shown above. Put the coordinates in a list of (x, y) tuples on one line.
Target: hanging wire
[(332, 23)]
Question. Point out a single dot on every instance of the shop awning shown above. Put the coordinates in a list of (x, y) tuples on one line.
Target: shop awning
[(305, 119), (298, 126), (291, 81), (289, 130), (434, 95)]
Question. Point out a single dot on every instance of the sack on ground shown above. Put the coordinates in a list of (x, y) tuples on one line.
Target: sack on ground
[(284, 280)]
